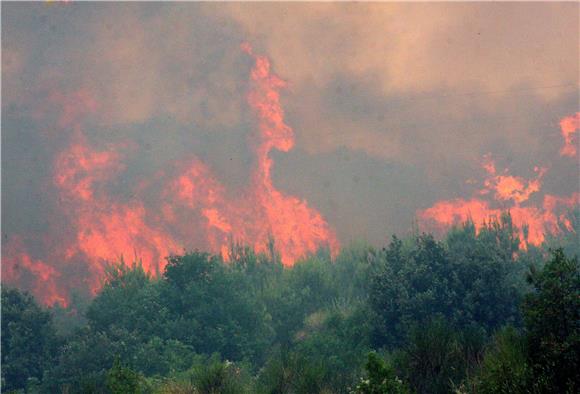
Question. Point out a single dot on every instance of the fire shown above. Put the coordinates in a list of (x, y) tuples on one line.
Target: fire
[(43, 276), (105, 229), (509, 192), (538, 220), (507, 187), (569, 127), (263, 211), (193, 209), (79, 168)]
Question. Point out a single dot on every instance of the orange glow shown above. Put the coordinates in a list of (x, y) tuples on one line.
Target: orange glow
[(57, 1), (569, 127)]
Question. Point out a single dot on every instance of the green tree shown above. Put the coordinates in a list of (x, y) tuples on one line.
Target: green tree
[(212, 308), (552, 320), (566, 233), (380, 379), (83, 361), (470, 279), (487, 278), (129, 300), (29, 341), (435, 357), (299, 292), (122, 379), (336, 342), (414, 285), (504, 369), (289, 371), (214, 376)]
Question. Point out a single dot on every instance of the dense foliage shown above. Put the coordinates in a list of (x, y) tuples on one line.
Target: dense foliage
[(471, 313)]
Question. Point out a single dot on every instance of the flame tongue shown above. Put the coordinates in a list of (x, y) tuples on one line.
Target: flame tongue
[(297, 228), (263, 211)]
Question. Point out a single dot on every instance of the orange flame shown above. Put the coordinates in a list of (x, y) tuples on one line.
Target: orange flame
[(17, 262), (569, 127), (193, 210), (538, 220), (508, 192), (263, 211), (105, 230), (508, 187)]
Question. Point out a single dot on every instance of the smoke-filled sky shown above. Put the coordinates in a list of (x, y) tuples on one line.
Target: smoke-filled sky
[(391, 109)]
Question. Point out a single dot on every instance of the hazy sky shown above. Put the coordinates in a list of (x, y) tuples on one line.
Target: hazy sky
[(393, 105)]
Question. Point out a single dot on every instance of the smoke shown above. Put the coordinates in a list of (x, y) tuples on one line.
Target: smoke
[(131, 128)]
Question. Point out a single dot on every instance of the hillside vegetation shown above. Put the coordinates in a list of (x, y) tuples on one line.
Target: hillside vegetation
[(471, 313)]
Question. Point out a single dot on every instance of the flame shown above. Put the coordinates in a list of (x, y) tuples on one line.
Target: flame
[(297, 228), (193, 210), (508, 192), (537, 220), (16, 262), (79, 168), (569, 127), (508, 187), (263, 211), (105, 229)]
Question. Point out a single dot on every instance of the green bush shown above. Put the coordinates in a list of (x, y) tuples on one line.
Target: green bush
[(504, 369), (380, 378), (122, 379)]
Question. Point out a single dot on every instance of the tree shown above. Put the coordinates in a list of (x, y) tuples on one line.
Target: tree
[(85, 358), (566, 233), (212, 308), (414, 286), (29, 340), (504, 369), (380, 379), (335, 341), (129, 300), (470, 279), (552, 318), (122, 379), (486, 273), (435, 357)]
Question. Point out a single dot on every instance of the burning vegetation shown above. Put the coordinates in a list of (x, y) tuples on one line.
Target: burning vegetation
[(193, 204), (505, 192)]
